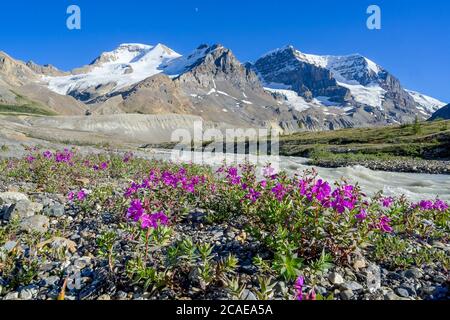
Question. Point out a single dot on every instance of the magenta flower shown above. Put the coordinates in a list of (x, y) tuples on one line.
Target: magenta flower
[(384, 224), (30, 159), (311, 296), (362, 214), (440, 205), (321, 190), (104, 166), (344, 198), (81, 195), (71, 196), (65, 156), (279, 191), (387, 202), (132, 190), (153, 221), (189, 187), (135, 211), (268, 171), (426, 205), (253, 195), (303, 186), (298, 286), (127, 157), (48, 154), (232, 172)]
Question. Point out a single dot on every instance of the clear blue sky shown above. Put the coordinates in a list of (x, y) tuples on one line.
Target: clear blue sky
[(414, 43)]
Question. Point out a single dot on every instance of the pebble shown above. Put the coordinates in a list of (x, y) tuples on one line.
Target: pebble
[(9, 246), (352, 285), (347, 294), (402, 292), (335, 278), (413, 273), (38, 224), (56, 211), (82, 263), (26, 294), (359, 264), (248, 295), (428, 290), (373, 278), (12, 296), (121, 295), (51, 281), (439, 279), (391, 296)]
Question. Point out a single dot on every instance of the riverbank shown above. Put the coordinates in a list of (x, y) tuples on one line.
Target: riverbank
[(388, 165), (415, 148)]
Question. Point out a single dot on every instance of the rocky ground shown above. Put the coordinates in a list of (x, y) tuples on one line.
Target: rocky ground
[(394, 165), (73, 234)]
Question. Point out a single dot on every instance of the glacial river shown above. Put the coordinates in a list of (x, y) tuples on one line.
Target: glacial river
[(413, 185)]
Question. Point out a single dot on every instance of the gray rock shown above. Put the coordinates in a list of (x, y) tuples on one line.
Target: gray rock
[(402, 292), (230, 235), (12, 296), (428, 290), (248, 295), (280, 287), (120, 295), (82, 263), (26, 294), (351, 285), (335, 278), (22, 209), (57, 210), (373, 278), (414, 273), (9, 246), (51, 281), (439, 279), (12, 197), (391, 296), (35, 224), (410, 288), (347, 294)]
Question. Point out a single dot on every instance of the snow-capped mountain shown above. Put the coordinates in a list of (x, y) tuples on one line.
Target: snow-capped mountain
[(429, 104), (285, 88), (112, 71), (442, 113), (353, 82)]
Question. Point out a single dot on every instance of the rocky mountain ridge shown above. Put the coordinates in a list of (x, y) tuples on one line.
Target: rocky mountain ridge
[(286, 88)]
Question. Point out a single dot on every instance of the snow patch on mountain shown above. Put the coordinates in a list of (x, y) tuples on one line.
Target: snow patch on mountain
[(297, 102), (125, 66), (426, 103), (370, 95), (355, 72), (183, 64)]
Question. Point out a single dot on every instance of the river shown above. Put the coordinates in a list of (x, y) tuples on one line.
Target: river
[(414, 186)]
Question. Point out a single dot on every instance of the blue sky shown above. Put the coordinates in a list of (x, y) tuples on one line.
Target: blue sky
[(413, 44)]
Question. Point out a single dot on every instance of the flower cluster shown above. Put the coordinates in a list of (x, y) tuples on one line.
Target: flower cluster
[(167, 178), (137, 213), (65, 156), (428, 205)]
